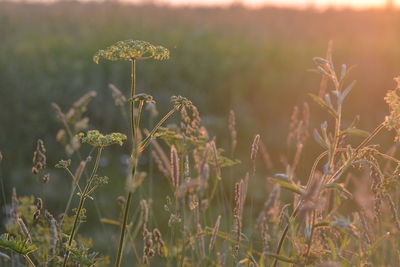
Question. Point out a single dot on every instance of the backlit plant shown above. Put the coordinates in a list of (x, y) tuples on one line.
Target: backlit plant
[(344, 213)]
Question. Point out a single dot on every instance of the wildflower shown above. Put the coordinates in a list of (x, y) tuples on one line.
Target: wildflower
[(130, 50), (63, 164), (95, 138), (392, 121), (180, 101), (143, 97)]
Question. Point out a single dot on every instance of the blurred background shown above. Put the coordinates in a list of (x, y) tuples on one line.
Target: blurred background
[(252, 57)]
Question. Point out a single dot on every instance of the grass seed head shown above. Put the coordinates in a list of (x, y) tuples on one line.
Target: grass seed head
[(174, 167)]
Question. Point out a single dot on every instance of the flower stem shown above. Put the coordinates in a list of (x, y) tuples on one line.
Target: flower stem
[(29, 260), (132, 103), (81, 204), (123, 230), (134, 156)]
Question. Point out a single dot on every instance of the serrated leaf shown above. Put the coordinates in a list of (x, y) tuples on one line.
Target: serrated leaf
[(289, 186), (18, 244), (323, 104)]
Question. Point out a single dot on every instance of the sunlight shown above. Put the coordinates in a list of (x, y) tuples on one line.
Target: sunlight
[(300, 3)]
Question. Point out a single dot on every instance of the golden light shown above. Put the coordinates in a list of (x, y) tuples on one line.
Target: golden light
[(298, 3)]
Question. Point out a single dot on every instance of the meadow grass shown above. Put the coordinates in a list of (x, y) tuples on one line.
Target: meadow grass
[(178, 198)]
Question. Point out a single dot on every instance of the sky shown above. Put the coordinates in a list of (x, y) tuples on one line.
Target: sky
[(318, 3), (257, 3)]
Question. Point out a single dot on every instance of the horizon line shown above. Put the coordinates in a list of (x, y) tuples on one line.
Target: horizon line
[(223, 4)]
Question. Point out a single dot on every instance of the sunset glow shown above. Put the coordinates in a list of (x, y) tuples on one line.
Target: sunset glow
[(299, 3)]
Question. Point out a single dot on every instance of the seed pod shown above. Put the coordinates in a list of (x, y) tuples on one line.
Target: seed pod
[(254, 147), (214, 234), (24, 229)]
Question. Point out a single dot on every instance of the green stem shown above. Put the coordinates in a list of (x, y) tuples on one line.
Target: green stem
[(123, 230), (337, 174), (146, 141), (309, 242), (141, 103), (81, 204), (285, 231), (132, 103), (336, 137), (135, 155), (29, 260)]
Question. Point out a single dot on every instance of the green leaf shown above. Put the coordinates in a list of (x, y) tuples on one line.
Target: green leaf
[(340, 188), (332, 247), (281, 258), (261, 262), (17, 245), (83, 256), (323, 104), (289, 186), (346, 91), (377, 243), (319, 139), (356, 132), (322, 224)]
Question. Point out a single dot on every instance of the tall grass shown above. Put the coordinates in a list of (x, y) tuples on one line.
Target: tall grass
[(344, 214)]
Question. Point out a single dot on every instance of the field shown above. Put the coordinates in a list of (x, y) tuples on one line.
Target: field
[(236, 175)]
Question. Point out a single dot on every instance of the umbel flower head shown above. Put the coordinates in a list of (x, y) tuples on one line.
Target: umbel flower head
[(143, 97), (180, 101), (129, 50), (95, 138), (392, 121)]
